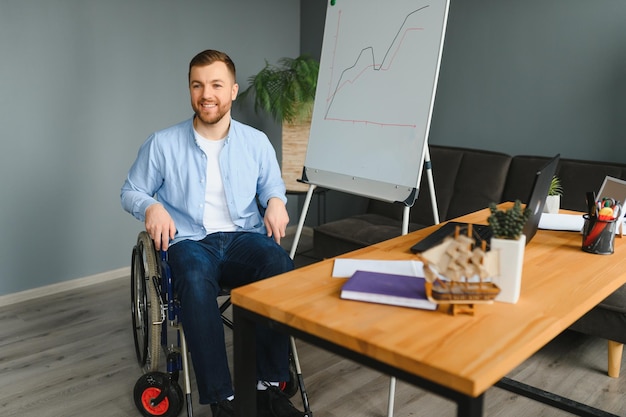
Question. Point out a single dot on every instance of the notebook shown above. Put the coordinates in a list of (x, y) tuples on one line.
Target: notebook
[(384, 288), (482, 232)]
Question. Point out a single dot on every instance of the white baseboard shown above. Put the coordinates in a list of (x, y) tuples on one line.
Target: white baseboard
[(56, 288), (31, 294)]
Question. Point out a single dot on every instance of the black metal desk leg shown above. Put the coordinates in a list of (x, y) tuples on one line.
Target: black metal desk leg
[(470, 407), (244, 359)]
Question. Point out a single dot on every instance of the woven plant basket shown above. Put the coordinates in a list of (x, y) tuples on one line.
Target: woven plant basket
[(295, 140)]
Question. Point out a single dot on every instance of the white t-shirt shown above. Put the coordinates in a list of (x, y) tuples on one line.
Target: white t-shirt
[(216, 216)]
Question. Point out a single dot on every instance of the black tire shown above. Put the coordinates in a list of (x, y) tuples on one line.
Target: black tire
[(145, 303), (139, 308), (152, 384)]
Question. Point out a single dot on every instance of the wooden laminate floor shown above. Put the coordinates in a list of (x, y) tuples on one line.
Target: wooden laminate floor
[(71, 354)]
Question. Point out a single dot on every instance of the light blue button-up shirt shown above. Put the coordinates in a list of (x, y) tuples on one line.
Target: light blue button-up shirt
[(171, 168)]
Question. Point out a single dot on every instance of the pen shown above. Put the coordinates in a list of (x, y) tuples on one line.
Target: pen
[(591, 203)]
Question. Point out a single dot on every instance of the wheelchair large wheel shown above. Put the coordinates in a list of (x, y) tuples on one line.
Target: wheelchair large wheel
[(145, 303), (156, 394)]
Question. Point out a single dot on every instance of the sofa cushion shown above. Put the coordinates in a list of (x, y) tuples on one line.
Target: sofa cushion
[(345, 235), (521, 177), (616, 301), (578, 176), (479, 181)]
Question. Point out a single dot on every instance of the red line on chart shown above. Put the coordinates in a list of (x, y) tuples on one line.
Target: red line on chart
[(385, 65), (332, 68), (369, 122)]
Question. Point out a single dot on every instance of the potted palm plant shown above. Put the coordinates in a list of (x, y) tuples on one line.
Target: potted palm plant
[(507, 226), (286, 91)]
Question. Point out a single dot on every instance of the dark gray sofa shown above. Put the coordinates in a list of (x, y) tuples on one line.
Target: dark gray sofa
[(467, 180)]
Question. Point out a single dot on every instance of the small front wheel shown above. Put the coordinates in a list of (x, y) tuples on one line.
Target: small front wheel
[(156, 394)]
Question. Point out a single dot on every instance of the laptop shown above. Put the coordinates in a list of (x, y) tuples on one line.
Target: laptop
[(482, 232), (614, 188)]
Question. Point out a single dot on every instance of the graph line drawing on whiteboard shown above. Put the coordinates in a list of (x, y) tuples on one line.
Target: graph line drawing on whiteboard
[(366, 65), (379, 68)]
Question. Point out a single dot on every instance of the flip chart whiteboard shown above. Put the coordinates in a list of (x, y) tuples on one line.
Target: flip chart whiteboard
[(374, 100)]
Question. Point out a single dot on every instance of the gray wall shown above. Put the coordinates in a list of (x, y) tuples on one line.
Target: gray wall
[(535, 77), (82, 84), (522, 77)]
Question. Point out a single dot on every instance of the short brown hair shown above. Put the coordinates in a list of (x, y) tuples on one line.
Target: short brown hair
[(210, 56)]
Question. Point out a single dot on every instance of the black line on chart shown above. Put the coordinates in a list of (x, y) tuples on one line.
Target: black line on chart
[(384, 65)]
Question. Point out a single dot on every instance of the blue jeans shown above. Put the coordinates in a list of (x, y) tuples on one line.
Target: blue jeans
[(199, 270)]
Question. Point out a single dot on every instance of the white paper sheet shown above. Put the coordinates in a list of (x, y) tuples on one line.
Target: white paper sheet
[(344, 268), (571, 222)]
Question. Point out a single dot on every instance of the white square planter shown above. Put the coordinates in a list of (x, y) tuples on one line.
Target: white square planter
[(553, 203), (511, 262)]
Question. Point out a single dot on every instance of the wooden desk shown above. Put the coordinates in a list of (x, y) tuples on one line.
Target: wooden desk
[(459, 357)]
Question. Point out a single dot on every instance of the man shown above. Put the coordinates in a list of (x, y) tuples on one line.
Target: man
[(209, 175)]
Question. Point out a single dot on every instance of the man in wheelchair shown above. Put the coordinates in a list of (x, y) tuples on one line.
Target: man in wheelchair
[(198, 186)]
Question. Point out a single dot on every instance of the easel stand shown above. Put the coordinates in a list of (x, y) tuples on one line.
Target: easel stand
[(305, 209), (405, 230)]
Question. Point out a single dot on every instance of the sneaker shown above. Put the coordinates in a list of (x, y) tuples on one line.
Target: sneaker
[(272, 402), (223, 409)]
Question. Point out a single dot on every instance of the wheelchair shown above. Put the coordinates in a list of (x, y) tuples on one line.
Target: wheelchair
[(155, 314)]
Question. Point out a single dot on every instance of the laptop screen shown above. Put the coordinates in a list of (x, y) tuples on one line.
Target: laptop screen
[(615, 189), (538, 195)]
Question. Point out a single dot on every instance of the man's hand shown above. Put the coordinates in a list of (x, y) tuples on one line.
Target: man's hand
[(276, 219), (160, 226)]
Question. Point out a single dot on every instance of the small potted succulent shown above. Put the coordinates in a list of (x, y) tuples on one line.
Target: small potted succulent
[(553, 201), (508, 239), (508, 223)]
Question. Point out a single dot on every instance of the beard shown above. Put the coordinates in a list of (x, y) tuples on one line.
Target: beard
[(211, 118)]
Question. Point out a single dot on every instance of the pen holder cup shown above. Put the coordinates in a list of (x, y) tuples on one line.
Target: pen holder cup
[(598, 235)]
